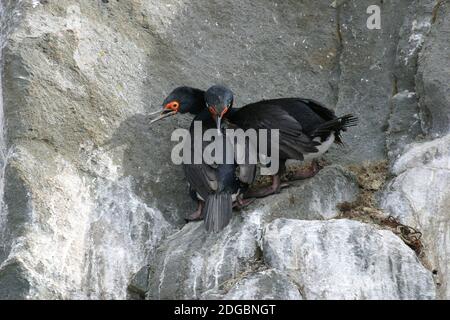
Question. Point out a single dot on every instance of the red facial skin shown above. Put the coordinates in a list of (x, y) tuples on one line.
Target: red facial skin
[(173, 105), (213, 111)]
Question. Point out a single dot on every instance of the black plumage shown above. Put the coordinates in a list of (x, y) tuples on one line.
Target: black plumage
[(306, 128), (299, 121), (214, 186)]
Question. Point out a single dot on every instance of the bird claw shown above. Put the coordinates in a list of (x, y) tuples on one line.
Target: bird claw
[(194, 217), (241, 203), (284, 185), (197, 215), (263, 192)]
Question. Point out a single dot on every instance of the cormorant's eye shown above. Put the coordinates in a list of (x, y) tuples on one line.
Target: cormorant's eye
[(173, 105), (212, 110), (224, 111)]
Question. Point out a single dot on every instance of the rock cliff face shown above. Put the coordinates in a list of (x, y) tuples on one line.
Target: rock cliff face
[(93, 208)]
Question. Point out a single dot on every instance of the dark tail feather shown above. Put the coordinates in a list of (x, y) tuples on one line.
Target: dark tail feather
[(336, 125), (218, 211)]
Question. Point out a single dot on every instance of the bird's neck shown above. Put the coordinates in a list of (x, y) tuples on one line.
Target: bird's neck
[(198, 98)]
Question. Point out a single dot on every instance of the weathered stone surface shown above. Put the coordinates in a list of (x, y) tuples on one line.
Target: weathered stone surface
[(344, 259), (404, 120), (404, 123), (14, 281), (192, 261), (432, 75), (366, 61), (415, 27), (138, 287), (311, 199), (83, 80), (264, 285), (78, 81), (419, 196), (76, 255), (90, 192), (192, 264), (75, 215)]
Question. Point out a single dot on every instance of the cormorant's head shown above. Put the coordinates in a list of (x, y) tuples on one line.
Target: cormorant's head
[(219, 101), (181, 100)]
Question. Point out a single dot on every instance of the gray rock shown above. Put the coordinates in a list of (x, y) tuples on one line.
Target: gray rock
[(404, 120), (344, 259), (138, 286), (264, 285), (14, 282), (194, 265), (419, 197), (192, 261), (311, 199), (78, 81), (412, 34), (432, 76), (88, 188), (366, 61), (76, 255), (404, 123)]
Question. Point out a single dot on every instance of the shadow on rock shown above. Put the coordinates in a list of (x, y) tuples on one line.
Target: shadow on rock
[(146, 158)]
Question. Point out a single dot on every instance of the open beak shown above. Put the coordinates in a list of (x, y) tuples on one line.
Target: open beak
[(164, 114), (156, 112)]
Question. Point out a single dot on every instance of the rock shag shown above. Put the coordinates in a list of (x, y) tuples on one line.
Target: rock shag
[(216, 188), (307, 129)]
